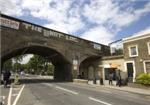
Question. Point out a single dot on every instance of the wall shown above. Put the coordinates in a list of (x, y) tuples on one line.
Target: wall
[(115, 62), (143, 55)]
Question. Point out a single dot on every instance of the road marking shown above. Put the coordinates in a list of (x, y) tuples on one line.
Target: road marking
[(70, 91), (18, 96), (9, 96), (97, 100), (2, 98), (14, 94)]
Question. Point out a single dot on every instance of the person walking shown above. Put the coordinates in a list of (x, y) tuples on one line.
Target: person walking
[(118, 79), (110, 78), (6, 78)]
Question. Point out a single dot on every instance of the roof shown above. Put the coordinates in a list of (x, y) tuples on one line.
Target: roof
[(136, 37)]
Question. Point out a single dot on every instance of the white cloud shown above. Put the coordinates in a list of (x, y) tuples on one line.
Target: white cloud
[(99, 11), (72, 25), (98, 34), (113, 16), (125, 18), (141, 12), (51, 10), (11, 7), (102, 12)]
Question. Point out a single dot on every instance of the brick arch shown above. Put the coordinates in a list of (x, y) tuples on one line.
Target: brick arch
[(63, 68)]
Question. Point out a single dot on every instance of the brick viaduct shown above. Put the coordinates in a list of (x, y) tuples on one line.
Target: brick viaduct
[(69, 54)]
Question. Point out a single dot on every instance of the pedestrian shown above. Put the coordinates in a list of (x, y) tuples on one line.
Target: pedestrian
[(119, 82), (110, 78), (6, 78), (118, 79)]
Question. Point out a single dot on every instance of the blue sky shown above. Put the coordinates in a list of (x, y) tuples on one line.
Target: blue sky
[(102, 21)]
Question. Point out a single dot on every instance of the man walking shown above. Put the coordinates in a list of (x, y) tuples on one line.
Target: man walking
[(110, 78), (6, 77)]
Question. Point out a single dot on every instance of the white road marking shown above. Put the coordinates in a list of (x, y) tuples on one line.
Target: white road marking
[(9, 96), (61, 88), (2, 98), (97, 100), (14, 94), (18, 96), (70, 91)]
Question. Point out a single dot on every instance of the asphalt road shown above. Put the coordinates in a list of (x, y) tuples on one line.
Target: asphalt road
[(40, 91)]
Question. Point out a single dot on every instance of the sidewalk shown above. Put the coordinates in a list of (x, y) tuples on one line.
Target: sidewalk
[(123, 88), (130, 89)]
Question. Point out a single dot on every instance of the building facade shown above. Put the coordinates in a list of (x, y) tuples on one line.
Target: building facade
[(136, 55), (112, 64), (134, 60)]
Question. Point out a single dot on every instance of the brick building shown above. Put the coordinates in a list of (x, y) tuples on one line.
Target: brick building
[(134, 60), (136, 55)]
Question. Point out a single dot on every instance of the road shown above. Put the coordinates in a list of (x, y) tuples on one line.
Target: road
[(36, 90)]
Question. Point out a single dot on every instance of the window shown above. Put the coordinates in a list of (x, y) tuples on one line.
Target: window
[(147, 66), (148, 45), (133, 51)]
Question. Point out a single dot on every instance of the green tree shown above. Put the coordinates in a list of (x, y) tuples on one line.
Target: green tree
[(8, 65), (50, 70), (17, 67), (36, 63), (40, 65), (17, 64), (119, 51)]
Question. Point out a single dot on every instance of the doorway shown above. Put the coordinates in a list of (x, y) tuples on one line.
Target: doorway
[(130, 71)]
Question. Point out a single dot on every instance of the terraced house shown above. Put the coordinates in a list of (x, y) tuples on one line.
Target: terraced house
[(136, 55)]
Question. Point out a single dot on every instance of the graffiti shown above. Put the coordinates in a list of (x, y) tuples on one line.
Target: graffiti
[(49, 33), (32, 27), (9, 23)]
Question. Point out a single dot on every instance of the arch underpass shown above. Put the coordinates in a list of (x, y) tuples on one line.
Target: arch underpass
[(67, 53), (89, 68), (63, 67)]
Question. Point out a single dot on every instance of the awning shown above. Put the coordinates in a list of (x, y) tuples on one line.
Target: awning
[(111, 65), (114, 65)]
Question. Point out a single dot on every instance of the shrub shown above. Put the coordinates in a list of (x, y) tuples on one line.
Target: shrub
[(143, 79)]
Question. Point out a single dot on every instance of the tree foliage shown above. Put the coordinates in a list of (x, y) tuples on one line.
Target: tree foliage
[(143, 79), (8, 65), (39, 65), (36, 65)]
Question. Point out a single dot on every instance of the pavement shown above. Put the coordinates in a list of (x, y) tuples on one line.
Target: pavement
[(123, 88), (131, 89)]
